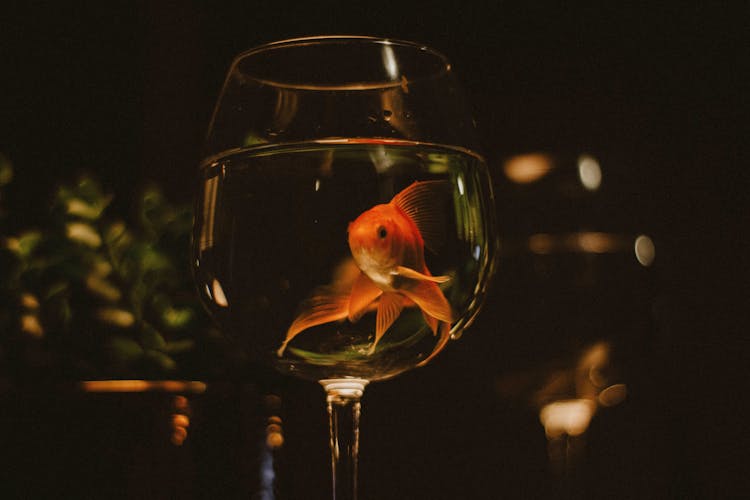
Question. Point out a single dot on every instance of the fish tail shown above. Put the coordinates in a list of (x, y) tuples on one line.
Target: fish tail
[(322, 308), (445, 335), (431, 321)]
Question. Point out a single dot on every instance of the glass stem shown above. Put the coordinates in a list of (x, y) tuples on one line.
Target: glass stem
[(343, 398)]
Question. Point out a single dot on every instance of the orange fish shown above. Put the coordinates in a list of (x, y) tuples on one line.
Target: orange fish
[(387, 244)]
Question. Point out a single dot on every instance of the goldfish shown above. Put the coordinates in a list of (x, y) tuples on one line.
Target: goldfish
[(387, 245)]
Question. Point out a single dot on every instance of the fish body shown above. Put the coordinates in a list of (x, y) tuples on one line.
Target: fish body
[(387, 244), (382, 239)]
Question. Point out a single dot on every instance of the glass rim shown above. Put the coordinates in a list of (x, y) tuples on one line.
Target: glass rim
[(321, 39)]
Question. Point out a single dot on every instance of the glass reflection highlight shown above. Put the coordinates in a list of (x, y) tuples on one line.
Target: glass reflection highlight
[(218, 294)]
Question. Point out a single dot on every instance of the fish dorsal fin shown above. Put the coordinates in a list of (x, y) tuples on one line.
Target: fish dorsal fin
[(423, 202)]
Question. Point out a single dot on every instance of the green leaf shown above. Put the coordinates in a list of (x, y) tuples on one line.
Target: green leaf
[(115, 233), (176, 318), (179, 346), (56, 289), (154, 211), (28, 242), (80, 208), (102, 288), (151, 338), (153, 260), (162, 360), (83, 233), (124, 349)]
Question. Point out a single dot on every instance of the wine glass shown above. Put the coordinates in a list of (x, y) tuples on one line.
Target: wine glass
[(344, 224)]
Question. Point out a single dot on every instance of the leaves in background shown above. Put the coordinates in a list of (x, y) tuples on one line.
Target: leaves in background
[(90, 295)]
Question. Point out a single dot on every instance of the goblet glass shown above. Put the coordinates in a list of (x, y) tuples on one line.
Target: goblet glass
[(344, 222)]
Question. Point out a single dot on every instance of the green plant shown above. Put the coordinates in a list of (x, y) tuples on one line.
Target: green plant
[(92, 296)]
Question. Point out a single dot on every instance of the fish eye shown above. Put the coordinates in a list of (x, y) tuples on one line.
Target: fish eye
[(382, 233)]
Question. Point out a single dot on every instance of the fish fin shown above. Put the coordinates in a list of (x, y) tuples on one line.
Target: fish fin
[(431, 322), (416, 275), (322, 307), (344, 276), (389, 309), (423, 202), (430, 299), (445, 335), (364, 292)]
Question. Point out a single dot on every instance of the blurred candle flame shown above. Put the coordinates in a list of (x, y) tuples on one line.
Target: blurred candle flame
[(571, 417), (527, 168)]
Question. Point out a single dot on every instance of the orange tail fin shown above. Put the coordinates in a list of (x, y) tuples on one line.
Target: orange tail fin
[(445, 334), (321, 308)]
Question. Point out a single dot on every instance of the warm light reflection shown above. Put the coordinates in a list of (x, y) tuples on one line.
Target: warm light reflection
[(581, 242), (541, 243), (192, 387), (218, 294), (274, 431), (206, 239), (395, 111), (29, 301), (285, 111), (645, 251), (591, 371), (525, 169), (180, 420), (570, 397), (591, 242), (381, 159), (30, 325), (613, 395), (571, 417), (589, 172), (389, 61)]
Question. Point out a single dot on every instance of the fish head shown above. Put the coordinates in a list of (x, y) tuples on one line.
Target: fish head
[(374, 239)]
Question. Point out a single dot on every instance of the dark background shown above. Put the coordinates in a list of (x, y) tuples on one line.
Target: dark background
[(658, 94)]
